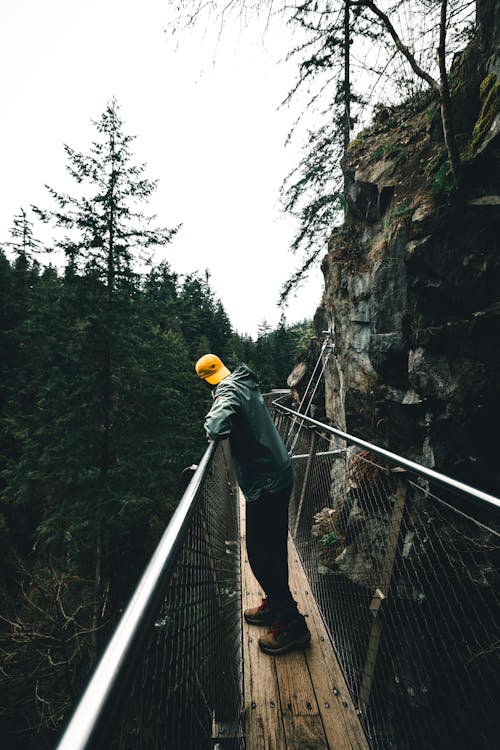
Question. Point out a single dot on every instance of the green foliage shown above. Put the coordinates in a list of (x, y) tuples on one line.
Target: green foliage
[(401, 211), (100, 408), (443, 182), (435, 162), (53, 495), (104, 233), (392, 150), (330, 539), (490, 107), (380, 151), (273, 355), (202, 318), (23, 242)]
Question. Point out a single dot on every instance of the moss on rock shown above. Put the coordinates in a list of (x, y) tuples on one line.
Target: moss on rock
[(490, 107)]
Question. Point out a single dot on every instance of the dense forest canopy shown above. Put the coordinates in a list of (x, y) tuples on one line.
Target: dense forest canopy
[(100, 411)]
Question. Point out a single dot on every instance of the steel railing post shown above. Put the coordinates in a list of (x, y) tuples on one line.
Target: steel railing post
[(304, 483), (381, 593)]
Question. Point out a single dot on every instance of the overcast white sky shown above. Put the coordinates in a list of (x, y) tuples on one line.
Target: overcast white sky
[(210, 132)]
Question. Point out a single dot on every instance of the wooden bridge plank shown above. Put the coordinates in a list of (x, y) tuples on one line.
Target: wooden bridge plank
[(296, 691), (264, 728), (263, 721), (342, 725), (290, 703), (299, 708), (304, 733)]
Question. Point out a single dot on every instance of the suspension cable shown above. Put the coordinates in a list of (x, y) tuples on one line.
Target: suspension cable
[(328, 347)]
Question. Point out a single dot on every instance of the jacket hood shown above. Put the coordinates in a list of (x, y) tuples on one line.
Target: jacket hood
[(241, 375)]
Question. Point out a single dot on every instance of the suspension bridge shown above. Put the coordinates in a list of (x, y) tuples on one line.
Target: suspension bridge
[(396, 567)]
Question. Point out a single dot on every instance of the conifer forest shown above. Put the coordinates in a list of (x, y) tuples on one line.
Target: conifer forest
[(100, 411)]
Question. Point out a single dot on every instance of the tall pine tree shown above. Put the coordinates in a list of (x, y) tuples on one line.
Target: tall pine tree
[(104, 235)]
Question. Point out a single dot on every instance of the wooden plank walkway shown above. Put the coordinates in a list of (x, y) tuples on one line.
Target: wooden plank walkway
[(298, 701)]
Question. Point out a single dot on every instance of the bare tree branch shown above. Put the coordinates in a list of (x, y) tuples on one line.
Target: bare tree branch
[(397, 41), (444, 94)]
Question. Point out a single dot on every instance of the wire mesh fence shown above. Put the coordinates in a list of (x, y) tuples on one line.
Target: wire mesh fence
[(187, 686), (404, 571), (406, 574), (173, 679)]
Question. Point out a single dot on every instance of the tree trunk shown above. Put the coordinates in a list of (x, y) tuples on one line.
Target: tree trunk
[(442, 87), (347, 76), (347, 91), (107, 406), (445, 101)]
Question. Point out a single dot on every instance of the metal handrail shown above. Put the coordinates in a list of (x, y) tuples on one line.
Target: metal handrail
[(104, 688), (395, 459), (404, 577)]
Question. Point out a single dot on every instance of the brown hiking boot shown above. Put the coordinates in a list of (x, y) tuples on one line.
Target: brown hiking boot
[(262, 615), (285, 636)]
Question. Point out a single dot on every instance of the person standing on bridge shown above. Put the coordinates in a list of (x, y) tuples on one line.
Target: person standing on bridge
[(265, 475)]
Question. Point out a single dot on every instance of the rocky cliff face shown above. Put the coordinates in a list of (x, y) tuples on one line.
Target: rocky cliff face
[(412, 279), (412, 293)]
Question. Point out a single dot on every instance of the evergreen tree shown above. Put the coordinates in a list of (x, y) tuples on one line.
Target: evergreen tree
[(203, 320), (160, 293), (220, 330), (264, 357), (240, 349), (50, 474), (283, 351), (52, 493), (105, 235), (23, 241)]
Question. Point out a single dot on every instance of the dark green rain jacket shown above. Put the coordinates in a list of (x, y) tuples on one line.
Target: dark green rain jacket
[(239, 413)]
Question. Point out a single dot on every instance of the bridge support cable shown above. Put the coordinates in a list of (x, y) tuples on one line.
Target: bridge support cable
[(327, 349), (403, 564)]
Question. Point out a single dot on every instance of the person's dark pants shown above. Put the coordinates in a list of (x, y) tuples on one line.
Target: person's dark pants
[(266, 541)]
